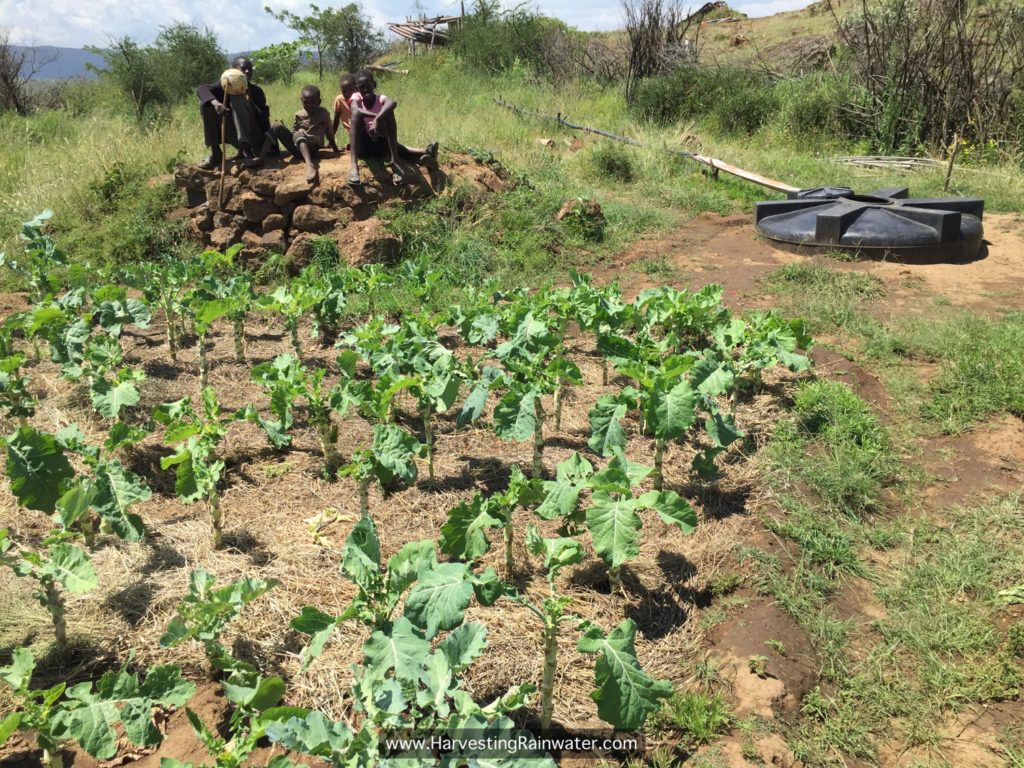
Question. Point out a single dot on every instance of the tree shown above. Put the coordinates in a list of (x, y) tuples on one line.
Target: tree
[(18, 65), (181, 57), (187, 56), (342, 36), (279, 62), (133, 69)]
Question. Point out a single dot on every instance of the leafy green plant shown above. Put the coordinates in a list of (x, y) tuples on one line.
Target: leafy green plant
[(59, 565), (205, 612), (391, 456), (625, 695), (198, 469), (87, 712), (42, 478), (463, 536), (286, 379), (438, 593), (42, 257)]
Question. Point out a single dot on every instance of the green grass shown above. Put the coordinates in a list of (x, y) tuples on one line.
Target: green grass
[(943, 642), (697, 717), (835, 444), (828, 299)]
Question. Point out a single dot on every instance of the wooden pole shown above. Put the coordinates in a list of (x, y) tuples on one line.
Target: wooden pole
[(223, 156)]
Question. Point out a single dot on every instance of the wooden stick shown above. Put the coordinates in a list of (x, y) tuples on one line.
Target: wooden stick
[(223, 156)]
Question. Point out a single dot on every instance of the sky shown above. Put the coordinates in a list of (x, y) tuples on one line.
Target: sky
[(243, 25)]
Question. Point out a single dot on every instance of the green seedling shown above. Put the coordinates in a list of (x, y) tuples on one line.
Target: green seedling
[(86, 713)]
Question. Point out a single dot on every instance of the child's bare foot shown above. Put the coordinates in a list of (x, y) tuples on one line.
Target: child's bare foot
[(311, 174)]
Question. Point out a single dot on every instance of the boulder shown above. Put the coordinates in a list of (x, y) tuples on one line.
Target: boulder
[(313, 218), (256, 207), (231, 188), (190, 176), (223, 238), (275, 221), (265, 182), (275, 241), (251, 240), (301, 251), (291, 191), (367, 242)]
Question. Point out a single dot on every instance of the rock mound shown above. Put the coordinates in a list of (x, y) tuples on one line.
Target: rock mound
[(274, 209)]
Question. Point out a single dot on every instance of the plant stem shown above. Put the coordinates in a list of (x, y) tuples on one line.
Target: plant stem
[(604, 372), (508, 546), (293, 331), (55, 605), (52, 757), (659, 452), (88, 532), (428, 438), (547, 687), (321, 418), (172, 332), (239, 340), (538, 439), (215, 516), (364, 497), (614, 578), (558, 406), (201, 345)]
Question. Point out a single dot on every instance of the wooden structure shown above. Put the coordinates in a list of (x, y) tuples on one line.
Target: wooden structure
[(425, 31)]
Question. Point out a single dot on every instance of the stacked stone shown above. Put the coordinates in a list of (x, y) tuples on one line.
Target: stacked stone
[(272, 210)]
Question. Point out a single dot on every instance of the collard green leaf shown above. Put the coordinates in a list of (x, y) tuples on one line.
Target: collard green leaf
[(116, 490), (671, 409), (672, 508), (722, 429), (394, 452), (76, 502), (557, 553), (463, 536), (561, 495), (320, 625), (440, 598), (108, 399), (313, 735), (89, 725), (9, 725), (71, 567), (360, 556), (625, 694), (406, 564), (464, 645), (614, 527), (37, 468), (513, 416), (19, 672), (400, 647), (606, 430)]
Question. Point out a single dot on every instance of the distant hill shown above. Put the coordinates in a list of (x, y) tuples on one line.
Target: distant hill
[(70, 62), (67, 62)]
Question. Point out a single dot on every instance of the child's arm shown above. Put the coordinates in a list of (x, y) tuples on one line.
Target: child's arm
[(387, 105)]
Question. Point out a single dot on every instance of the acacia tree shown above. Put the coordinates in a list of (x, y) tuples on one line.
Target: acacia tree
[(18, 65), (343, 36)]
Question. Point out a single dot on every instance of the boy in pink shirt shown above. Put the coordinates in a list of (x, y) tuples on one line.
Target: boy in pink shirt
[(374, 131)]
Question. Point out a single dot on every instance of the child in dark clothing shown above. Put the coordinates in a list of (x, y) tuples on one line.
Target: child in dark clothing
[(374, 131), (312, 124)]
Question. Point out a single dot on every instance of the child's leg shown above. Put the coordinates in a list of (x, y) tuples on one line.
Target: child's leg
[(388, 128), (355, 140), (307, 156)]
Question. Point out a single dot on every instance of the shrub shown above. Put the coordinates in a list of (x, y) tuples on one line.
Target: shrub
[(613, 162), (738, 100)]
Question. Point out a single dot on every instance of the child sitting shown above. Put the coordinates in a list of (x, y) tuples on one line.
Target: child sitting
[(342, 111), (374, 131), (311, 125)]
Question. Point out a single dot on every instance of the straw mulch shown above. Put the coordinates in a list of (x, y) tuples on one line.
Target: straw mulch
[(269, 496)]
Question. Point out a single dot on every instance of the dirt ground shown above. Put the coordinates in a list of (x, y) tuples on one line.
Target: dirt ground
[(269, 495)]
